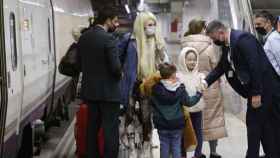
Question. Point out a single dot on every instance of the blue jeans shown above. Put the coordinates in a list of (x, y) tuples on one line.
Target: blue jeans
[(170, 141)]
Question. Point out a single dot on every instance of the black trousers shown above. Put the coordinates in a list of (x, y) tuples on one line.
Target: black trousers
[(260, 131), (105, 115), (276, 110)]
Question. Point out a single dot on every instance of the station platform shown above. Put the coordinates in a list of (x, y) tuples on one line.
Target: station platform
[(233, 146)]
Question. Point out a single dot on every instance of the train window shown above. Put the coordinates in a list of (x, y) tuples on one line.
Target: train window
[(13, 41), (49, 35)]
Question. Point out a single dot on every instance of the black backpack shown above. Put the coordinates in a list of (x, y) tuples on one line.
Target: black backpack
[(69, 64)]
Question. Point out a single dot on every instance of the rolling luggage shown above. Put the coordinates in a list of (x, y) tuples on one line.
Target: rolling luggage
[(81, 132)]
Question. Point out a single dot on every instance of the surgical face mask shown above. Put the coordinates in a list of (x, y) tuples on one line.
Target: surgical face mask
[(261, 30), (219, 43), (150, 30)]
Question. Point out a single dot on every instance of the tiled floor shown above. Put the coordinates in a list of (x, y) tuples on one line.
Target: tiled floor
[(234, 146)]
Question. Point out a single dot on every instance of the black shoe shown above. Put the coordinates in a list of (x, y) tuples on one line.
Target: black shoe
[(215, 156), (202, 156), (263, 156)]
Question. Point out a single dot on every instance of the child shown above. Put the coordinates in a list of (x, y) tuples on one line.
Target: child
[(167, 98), (189, 75)]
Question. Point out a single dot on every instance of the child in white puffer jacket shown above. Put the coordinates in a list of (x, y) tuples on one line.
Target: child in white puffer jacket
[(189, 75)]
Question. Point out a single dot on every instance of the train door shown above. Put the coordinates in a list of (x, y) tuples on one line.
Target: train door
[(3, 87), (13, 68), (36, 56)]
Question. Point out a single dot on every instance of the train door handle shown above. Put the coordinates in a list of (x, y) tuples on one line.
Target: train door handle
[(45, 62), (9, 79), (24, 70)]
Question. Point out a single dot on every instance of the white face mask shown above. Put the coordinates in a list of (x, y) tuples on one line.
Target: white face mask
[(150, 30)]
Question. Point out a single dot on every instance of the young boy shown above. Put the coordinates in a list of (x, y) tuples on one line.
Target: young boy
[(168, 97)]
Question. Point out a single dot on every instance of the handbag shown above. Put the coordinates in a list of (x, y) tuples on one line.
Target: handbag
[(189, 136), (69, 64)]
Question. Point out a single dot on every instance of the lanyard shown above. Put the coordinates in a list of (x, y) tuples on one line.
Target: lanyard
[(230, 59)]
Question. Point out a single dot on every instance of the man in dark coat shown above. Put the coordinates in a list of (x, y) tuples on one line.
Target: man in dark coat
[(249, 72), (100, 90)]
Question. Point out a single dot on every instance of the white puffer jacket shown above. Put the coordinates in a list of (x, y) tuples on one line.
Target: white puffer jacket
[(191, 79)]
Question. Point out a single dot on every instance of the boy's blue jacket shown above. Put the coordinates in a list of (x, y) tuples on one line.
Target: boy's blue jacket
[(167, 106)]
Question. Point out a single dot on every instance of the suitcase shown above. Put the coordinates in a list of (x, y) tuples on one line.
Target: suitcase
[(81, 132)]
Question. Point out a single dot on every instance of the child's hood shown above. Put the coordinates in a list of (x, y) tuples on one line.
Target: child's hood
[(166, 96), (191, 79), (182, 60)]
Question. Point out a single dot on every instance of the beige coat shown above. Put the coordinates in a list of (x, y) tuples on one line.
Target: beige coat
[(213, 113)]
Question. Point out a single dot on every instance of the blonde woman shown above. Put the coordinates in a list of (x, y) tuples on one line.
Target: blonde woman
[(144, 52), (213, 113)]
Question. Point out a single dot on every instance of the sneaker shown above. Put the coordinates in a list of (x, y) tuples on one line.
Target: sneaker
[(215, 155), (146, 150)]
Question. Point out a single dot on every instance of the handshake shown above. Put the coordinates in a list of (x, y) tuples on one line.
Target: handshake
[(203, 85)]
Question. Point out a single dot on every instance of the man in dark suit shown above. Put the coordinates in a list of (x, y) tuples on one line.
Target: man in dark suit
[(100, 90), (249, 72)]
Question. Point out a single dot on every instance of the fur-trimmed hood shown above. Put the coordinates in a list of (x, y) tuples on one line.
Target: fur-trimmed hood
[(191, 79), (182, 60)]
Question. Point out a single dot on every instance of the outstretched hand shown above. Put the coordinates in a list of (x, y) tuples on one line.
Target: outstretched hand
[(203, 84)]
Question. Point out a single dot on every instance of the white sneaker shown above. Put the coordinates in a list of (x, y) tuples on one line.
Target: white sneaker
[(155, 144), (146, 150)]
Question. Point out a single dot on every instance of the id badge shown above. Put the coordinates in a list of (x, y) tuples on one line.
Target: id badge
[(230, 74)]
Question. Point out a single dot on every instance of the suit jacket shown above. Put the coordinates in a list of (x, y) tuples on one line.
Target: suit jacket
[(100, 65), (252, 70)]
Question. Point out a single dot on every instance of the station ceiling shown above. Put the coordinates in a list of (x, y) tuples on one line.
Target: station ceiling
[(100, 3), (266, 4), (272, 6)]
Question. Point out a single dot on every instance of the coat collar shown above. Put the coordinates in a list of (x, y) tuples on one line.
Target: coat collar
[(234, 37), (97, 27)]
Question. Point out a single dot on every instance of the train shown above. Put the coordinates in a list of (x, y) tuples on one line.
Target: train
[(35, 35)]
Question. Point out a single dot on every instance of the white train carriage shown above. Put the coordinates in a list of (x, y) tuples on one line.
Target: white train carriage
[(35, 35)]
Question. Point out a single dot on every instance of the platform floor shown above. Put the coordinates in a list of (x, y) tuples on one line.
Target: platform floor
[(234, 146)]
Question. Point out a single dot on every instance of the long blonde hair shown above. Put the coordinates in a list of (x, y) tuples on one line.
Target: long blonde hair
[(146, 58)]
